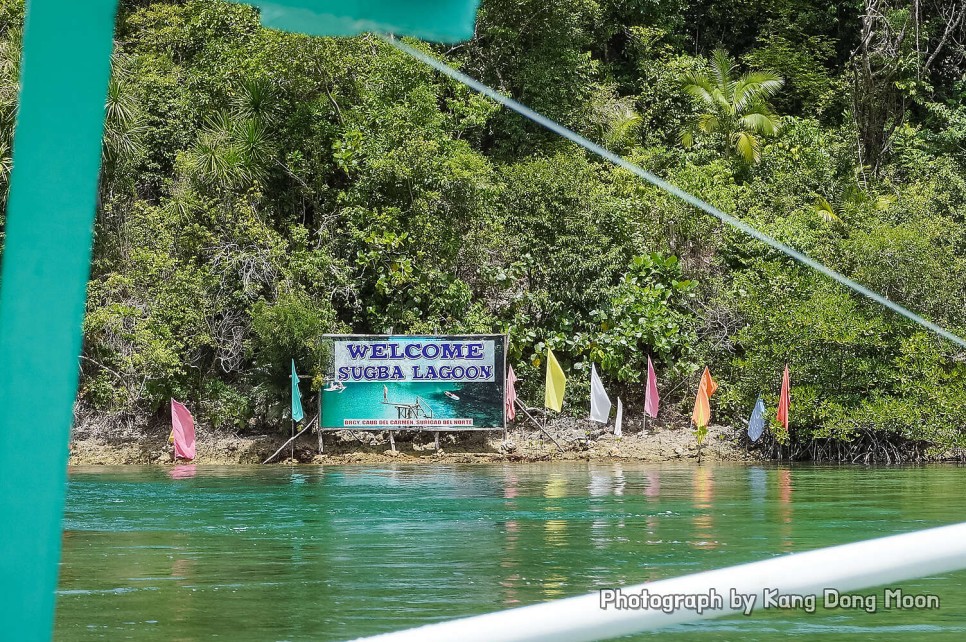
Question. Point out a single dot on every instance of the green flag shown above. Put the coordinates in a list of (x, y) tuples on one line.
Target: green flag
[(297, 413)]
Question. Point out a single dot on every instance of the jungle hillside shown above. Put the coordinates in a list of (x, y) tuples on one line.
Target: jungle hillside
[(260, 189)]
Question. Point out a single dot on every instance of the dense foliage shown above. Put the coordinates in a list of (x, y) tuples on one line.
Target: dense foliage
[(261, 188)]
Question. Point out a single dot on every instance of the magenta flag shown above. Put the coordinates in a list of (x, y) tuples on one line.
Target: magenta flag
[(183, 431), (651, 398), (511, 394)]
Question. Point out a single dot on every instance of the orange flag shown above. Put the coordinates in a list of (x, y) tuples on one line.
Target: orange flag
[(783, 401), (702, 403)]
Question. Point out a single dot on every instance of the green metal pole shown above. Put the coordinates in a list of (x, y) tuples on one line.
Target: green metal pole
[(46, 263)]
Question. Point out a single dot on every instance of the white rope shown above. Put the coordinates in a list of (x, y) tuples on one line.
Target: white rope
[(872, 563), (557, 128)]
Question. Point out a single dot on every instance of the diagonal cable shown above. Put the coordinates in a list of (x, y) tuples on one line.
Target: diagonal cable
[(557, 128)]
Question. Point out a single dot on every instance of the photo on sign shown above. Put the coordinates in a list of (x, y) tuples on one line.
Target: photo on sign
[(415, 383)]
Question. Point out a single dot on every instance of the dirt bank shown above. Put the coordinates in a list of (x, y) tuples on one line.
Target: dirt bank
[(568, 439)]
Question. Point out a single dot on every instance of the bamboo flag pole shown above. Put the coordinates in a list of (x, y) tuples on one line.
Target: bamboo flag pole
[(536, 423), (292, 440)]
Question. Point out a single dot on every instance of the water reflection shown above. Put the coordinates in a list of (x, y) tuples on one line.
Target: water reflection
[(359, 550), (555, 488), (509, 562), (555, 532), (619, 481), (653, 489), (554, 586), (785, 509), (757, 491), (703, 485), (183, 471), (600, 484), (510, 485)]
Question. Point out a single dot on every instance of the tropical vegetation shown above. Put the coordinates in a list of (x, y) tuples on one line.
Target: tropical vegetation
[(262, 188)]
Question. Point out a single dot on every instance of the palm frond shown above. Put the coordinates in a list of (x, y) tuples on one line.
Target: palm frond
[(687, 136), (254, 144), (700, 87), (5, 163), (756, 86), (123, 121), (825, 210), (256, 100), (761, 122), (212, 160), (219, 123), (722, 68), (622, 125), (708, 123), (734, 107), (121, 109), (747, 146)]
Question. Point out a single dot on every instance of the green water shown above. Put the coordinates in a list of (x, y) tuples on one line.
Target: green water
[(335, 552)]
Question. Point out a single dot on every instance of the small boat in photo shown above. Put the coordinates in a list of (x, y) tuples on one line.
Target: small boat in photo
[(335, 386), (451, 395)]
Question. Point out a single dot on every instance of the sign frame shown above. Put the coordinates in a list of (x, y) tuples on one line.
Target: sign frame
[(419, 415)]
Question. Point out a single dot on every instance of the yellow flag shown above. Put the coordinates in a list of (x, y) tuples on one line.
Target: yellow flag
[(556, 383)]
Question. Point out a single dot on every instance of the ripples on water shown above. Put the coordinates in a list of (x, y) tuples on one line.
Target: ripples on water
[(336, 552)]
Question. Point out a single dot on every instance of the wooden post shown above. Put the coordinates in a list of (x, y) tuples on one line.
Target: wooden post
[(437, 440), (293, 439), (392, 442), (318, 423)]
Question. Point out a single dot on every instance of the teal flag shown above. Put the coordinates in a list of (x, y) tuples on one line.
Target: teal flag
[(297, 413)]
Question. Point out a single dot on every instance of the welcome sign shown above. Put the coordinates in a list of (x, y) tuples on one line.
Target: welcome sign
[(415, 383), (456, 360)]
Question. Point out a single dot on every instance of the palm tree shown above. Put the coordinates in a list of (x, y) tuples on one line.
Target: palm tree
[(734, 108), (235, 148), (123, 123), (616, 122), (230, 153)]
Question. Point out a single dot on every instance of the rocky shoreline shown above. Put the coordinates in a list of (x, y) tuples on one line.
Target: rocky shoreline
[(572, 440)]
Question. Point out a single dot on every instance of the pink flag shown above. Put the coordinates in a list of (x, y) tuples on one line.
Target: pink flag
[(651, 398), (511, 394), (183, 431)]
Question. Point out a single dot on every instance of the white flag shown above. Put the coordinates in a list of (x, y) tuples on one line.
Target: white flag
[(599, 401), (620, 417)]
